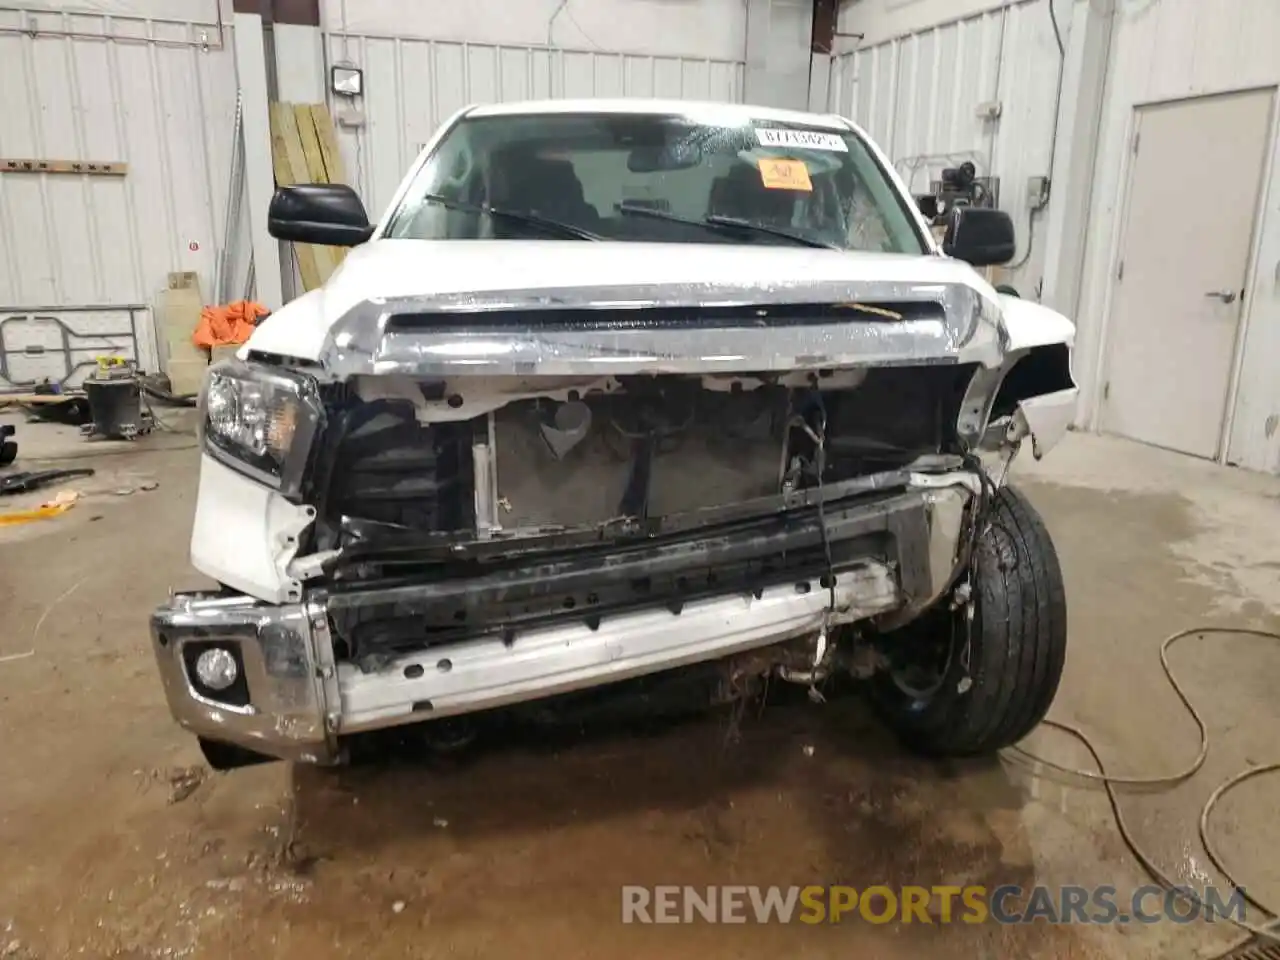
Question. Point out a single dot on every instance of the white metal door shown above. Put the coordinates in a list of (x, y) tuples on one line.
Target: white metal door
[(1180, 282)]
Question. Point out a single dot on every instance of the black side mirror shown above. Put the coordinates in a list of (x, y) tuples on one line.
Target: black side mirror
[(980, 236), (324, 213)]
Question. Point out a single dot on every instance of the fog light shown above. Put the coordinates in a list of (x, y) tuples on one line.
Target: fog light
[(216, 669)]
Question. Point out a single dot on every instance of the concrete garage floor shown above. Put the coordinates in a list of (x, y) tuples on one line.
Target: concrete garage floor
[(111, 846)]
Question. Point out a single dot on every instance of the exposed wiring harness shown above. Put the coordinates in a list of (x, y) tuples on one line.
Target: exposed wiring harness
[(820, 666), (818, 436), (979, 519), (820, 457)]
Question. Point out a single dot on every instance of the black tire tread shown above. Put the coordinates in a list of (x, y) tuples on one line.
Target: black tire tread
[(1018, 643)]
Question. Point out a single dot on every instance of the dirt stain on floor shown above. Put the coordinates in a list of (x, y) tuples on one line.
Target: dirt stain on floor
[(523, 848)]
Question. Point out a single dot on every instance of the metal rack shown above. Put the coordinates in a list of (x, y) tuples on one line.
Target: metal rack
[(70, 341)]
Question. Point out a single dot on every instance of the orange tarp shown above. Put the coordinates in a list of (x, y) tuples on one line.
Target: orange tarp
[(224, 326)]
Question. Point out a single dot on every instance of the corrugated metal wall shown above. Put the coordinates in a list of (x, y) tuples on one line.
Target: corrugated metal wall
[(154, 98), (1167, 50), (918, 96), (413, 85)]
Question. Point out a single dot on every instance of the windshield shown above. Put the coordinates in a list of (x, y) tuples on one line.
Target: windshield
[(636, 177)]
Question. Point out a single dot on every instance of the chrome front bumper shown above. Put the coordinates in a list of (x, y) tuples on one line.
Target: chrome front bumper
[(283, 665), (297, 703)]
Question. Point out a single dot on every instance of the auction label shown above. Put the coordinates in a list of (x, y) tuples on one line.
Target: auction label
[(804, 139), (785, 174)]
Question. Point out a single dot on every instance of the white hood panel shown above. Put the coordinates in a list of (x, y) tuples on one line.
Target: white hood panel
[(391, 269)]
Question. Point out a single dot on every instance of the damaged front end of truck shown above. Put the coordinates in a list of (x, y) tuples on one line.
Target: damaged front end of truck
[(473, 501)]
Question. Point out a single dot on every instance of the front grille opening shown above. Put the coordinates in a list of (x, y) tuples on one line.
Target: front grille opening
[(684, 317), (645, 448)]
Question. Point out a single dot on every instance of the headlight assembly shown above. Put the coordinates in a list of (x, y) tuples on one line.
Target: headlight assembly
[(260, 420)]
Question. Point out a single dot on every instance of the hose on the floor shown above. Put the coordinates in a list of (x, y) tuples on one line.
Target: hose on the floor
[(1269, 930), (172, 399)]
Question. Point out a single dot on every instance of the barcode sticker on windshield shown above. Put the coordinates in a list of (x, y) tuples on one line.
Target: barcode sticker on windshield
[(805, 139)]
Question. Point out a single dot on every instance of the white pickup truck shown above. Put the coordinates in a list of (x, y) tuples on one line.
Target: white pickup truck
[(626, 389)]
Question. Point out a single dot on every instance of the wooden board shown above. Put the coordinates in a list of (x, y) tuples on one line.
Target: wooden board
[(332, 155), (290, 165), (310, 143), (304, 150), (328, 143), (280, 117), (327, 258)]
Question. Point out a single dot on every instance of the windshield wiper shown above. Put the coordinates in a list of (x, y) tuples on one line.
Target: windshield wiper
[(737, 223), (716, 221), (515, 216)]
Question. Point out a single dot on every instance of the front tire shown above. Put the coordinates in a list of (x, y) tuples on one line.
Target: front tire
[(997, 676)]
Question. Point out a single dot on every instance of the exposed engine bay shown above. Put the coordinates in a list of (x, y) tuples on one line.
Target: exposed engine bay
[(523, 503), (617, 454)]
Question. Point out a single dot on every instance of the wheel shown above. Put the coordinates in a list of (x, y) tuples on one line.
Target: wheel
[(957, 687)]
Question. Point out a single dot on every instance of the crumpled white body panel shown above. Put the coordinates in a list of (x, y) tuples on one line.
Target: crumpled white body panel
[(1031, 324), (245, 534)]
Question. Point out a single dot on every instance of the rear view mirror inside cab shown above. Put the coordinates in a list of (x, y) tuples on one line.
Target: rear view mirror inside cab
[(667, 156)]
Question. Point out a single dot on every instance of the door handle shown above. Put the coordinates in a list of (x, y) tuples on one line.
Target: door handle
[(1226, 296)]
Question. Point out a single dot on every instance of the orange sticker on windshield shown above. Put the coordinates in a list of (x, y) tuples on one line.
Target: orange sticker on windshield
[(784, 174)]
